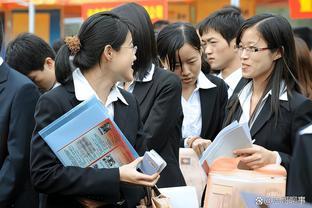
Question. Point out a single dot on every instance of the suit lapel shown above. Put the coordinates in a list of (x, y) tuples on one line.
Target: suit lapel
[(141, 90), (206, 108), (121, 119), (262, 118)]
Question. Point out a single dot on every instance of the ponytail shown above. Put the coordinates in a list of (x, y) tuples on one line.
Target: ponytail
[(63, 69)]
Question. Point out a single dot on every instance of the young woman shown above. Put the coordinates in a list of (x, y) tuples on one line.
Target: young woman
[(204, 97), (270, 101), (158, 92), (103, 54)]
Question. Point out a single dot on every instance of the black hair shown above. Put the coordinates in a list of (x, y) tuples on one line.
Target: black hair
[(305, 33), (160, 23), (172, 38), (27, 53), (143, 37), (98, 31), (236, 8), (277, 33), (58, 44), (225, 21)]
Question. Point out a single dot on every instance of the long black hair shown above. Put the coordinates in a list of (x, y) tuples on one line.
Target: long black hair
[(171, 38), (277, 33), (143, 36), (96, 32)]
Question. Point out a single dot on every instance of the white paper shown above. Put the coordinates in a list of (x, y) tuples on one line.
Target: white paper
[(181, 197), (234, 136)]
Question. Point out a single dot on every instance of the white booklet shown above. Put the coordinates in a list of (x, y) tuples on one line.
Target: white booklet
[(152, 163), (234, 136)]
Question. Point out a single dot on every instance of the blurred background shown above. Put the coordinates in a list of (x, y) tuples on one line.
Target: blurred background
[(54, 19)]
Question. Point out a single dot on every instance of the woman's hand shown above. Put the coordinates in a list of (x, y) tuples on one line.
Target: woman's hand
[(198, 144), (256, 156), (129, 174)]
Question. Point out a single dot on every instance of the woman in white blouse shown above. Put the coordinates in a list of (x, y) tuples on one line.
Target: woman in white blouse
[(270, 101), (204, 97)]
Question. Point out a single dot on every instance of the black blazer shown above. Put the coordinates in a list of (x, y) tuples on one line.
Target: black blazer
[(18, 98), (162, 116), (62, 185), (293, 115), (300, 174), (213, 102)]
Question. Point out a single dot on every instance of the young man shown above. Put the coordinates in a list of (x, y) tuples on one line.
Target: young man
[(18, 97), (34, 58), (218, 34)]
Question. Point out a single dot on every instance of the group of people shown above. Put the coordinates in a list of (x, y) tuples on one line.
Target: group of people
[(170, 89)]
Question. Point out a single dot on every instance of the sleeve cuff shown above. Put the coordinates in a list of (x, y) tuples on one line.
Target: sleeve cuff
[(278, 160)]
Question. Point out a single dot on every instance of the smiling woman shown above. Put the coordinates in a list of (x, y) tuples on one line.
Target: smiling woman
[(158, 92), (103, 54), (270, 101)]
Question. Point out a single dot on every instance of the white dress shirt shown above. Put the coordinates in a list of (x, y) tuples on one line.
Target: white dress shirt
[(306, 130), (56, 84), (147, 78), (245, 99), (232, 80), (84, 91), (192, 121), (1, 61)]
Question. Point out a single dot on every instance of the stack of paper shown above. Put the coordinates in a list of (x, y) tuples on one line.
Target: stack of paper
[(234, 136)]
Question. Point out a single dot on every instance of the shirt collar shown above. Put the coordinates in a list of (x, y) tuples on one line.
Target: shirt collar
[(233, 79), (1, 61), (149, 76), (203, 82), (84, 91), (306, 130), (56, 85), (283, 92), (247, 92)]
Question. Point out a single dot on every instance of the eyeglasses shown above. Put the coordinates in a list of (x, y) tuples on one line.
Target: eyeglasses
[(134, 48), (250, 49)]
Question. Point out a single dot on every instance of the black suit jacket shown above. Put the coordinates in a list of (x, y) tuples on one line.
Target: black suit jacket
[(62, 185), (18, 98), (162, 116), (300, 174), (213, 102), (293, 115)]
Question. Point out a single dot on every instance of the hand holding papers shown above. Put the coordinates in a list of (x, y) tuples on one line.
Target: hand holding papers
[(234, 136)]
